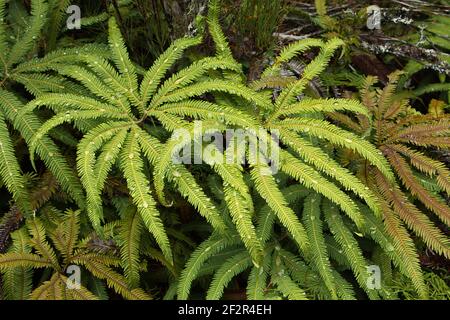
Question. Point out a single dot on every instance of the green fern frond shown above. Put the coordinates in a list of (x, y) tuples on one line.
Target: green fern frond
[(24, 260), (350, 246), (120, 56), (241, 216), (39, 242), (313, 69), (318, 158), (10, 172), (24, 44), (319, 254), (17, 282), (224, 86), (310, 178), (226, 272), (3, 43), (266, 186), (130, 233), (86, 165), (257, 280), (309, 105), (132, 166), (114, 280), (204, 251), (154, 75)]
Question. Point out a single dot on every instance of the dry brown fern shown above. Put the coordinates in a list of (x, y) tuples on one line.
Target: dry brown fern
[(405, 137)]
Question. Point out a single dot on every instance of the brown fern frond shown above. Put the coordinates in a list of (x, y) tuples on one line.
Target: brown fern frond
[(346, 121), (426, 165), (437, 142), (387, 94), (409, 181), (368, 96), (114, 280), (80, 293), (39, 242), (404, 245), (418, 131), (395, 109), (416, 221), (44, 190), (48, 289), (9, 223), (421, 119)]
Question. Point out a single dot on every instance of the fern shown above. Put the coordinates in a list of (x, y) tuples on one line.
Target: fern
[(32, 250)]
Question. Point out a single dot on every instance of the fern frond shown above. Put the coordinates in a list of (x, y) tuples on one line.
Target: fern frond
[(80, 293), (66, 233), (205, 110), (266, 186), (335, 135), (220, 41), (48, 290), (24, 260), (154, 75), (191, 73), (39, 84), (10, 172), (24, 44), (70, 116), (60, 103), (350, 246), (309, 105), (318, 158), (257, 280), (405, 247), (3, 42), (111, 77), (184, 180), (313, 69), (108, 156), (407, 177), (241, 216), (17, 282), (130, 233), (114, 280), (319, 254), (120, 56), (368, 96), (291, 51), (415, 220), (204, 251), (86, 162), (95, 85), (303, 275), (28, 125), (132, 166), (267, 216), (310, 178), (39, 243), (214, 85), (226, 272), (386, 97), (62, 57)]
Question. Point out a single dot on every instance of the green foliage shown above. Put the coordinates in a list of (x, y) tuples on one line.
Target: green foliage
[(31, 250), (341, 184)]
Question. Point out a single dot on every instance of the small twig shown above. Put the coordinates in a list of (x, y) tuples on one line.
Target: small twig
[(285, 36)]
